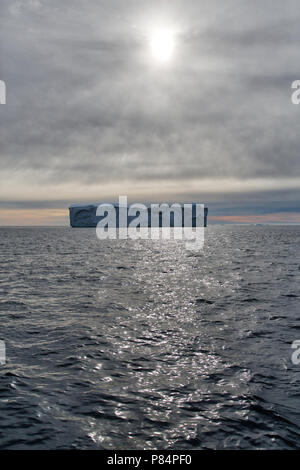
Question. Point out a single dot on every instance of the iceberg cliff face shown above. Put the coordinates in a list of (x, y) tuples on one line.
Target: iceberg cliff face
[(85, 215)]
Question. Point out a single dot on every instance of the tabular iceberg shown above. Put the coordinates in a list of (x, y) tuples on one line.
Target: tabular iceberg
[(85, 215)]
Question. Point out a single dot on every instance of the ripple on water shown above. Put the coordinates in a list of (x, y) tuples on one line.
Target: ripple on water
[(116, 345)]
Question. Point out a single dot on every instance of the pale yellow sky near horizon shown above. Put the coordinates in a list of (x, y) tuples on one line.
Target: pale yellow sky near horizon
[(19, 188), (153, 191), (60, 217)]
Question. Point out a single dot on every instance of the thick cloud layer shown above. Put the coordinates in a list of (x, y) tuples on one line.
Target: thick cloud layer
[(89, 112)]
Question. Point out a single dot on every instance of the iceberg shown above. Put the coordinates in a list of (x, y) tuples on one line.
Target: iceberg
[(85, 215)]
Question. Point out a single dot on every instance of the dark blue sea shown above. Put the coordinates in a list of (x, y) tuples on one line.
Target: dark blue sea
[(146, 345)]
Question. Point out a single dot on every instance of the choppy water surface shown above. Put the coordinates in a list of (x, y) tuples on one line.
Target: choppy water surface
[(144, 345)]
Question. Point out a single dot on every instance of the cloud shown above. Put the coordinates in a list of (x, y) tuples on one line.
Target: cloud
[(90, 114)]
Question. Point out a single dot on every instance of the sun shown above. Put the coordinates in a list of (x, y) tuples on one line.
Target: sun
[(162, 45)]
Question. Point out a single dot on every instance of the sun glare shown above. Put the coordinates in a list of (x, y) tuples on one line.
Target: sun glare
[(162, 45)]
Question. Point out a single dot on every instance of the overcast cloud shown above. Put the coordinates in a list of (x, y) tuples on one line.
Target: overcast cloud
[(91, 115)]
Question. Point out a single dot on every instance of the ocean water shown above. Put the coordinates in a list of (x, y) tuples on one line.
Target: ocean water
[(145, 345)]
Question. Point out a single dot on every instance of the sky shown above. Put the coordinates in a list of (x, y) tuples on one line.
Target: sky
[(92, 114)]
